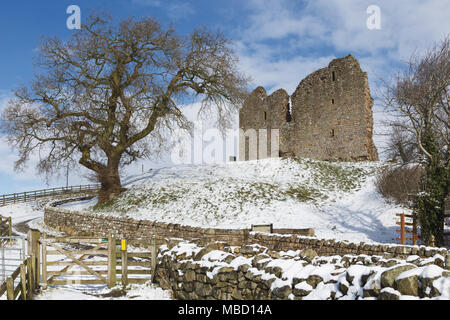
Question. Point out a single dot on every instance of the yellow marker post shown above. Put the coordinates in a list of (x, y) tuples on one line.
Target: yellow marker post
[(124, 258)]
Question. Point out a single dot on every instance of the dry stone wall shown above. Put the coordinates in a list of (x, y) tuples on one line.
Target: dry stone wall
[(142, 231), (222, 272)]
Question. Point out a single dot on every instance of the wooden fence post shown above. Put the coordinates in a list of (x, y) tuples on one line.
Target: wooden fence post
[(9, 228), (29, 242), (33, 271), (124, 258), (10, 288), (246, 234), (402, 229), (23, 281), (112, 260), (414, 231), (34, 252), (154, 257), (30, 277), (44, 262)]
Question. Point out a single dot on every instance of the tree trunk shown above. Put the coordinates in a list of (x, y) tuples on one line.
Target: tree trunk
[(109, 179), (402, 153)]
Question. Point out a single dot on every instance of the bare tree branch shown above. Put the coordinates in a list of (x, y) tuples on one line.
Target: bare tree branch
[(102, 96)]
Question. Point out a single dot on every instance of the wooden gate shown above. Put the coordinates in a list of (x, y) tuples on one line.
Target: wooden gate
[(94, 261), (407, 227), (58, 260)]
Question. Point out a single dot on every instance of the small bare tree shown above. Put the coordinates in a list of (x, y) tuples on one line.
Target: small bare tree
[(110, 94), (401, 146), (419, 96)]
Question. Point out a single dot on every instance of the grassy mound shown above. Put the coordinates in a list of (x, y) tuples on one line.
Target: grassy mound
[(232, 188)]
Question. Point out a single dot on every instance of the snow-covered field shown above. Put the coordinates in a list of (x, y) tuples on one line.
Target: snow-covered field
[(27, 215), (338, 200)]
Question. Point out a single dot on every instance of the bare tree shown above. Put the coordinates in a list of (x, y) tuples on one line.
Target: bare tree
[(419, 96), (401, 145), (110, 94)]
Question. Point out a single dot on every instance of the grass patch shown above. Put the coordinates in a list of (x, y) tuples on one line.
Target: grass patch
[(335, 176), (305, 194)]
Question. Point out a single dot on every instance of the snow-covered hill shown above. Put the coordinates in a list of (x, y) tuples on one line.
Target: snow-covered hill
[(338, 200)]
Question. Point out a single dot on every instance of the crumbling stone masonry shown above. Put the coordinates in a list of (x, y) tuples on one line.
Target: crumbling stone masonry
[(328, 117)]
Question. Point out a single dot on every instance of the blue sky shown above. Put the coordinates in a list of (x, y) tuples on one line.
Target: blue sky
[(278, 42)]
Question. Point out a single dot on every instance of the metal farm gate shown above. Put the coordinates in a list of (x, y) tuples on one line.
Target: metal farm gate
[(12, 253)]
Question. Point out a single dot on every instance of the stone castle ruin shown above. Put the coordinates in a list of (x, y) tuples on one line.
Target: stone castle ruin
[(328, 117)]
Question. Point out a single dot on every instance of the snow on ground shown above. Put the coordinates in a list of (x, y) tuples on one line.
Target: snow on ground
[(331, 273), (134, 292), (74, 291), (338, 200), (22, 212), (78, 205), (31, 214)]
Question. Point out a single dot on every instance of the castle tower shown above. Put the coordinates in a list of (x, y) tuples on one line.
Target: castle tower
[(330, 117)]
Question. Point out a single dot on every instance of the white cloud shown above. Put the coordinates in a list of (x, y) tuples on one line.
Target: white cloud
[(283, 73), (8, 156), (321, 26), (405, 24), (175, 9), (280, 19), (29, 174), (150, 3), (283, 41)]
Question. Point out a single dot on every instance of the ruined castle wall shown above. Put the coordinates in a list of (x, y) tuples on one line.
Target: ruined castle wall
[(330, 118), (330, 109), (261, 114)]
